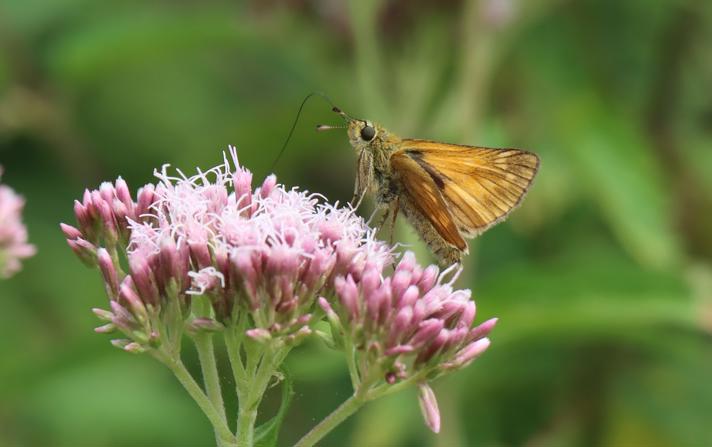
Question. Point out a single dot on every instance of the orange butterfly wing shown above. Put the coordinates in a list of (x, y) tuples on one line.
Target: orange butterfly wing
[(426, 197), (480, 186)]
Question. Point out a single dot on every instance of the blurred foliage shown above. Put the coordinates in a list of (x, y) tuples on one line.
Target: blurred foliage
[(602, 280)]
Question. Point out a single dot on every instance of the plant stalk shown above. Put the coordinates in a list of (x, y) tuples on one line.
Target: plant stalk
[(223, 434), (208, 366), (346, 409)]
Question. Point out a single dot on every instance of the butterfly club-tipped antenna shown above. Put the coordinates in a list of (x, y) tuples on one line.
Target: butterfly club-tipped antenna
[(296, 120), (344, 115)]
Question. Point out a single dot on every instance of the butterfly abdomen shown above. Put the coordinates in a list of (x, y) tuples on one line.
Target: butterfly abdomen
[(445, 253)]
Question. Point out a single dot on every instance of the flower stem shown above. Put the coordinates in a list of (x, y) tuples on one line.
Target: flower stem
[(346, 409), (208, 366), (224, 435), (246, 425), (260, 373)]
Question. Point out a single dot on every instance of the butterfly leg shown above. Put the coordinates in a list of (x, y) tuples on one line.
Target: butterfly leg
[(356, 204), (393, 210)]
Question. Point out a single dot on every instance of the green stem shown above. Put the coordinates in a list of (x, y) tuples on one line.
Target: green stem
[(351, 362), (260, 374), (246, 418), (223, 433), (208, 366), (233, 343), (346, 409)]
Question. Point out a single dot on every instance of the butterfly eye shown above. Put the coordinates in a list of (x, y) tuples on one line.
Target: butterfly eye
[(367, 133)]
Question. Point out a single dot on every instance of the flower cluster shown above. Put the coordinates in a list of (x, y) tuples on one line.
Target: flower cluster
[(266, 251), (210, 252), (13, 234), (409, 326)]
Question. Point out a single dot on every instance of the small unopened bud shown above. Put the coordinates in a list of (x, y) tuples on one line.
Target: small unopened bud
[(203, 324), (123, 193), (85, 251), (103, 314), (120, 343), (259, 335), (108, 270), (105, 329), (469, 353), (145, 198), (134, 348), (268, 186), (70, 232), (429, 407), (299, 336)]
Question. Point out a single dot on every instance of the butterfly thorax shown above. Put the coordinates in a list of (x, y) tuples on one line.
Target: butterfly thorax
[(374, 169)]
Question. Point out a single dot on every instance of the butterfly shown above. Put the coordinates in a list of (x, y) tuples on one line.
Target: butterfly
[(448, 192)]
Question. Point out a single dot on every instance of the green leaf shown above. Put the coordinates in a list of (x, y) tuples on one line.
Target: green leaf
[(266, 434)]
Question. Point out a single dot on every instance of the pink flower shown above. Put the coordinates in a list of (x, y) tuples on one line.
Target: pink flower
[(268, 251), (412, 324), (13, 234)]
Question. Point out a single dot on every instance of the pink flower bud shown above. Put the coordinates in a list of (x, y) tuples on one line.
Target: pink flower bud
[(438, 344), (84, 250), (200, 253), (143, 279), (242, 182), (268, 186), (170, 265), (407, 262), (410, 296), (259, 335), (86, 199), (120, 343), (103, 314), (466, 355), (84, 219), (106, 191), (145, 199), (70, 232), (428, 278), (400, 283), (401, 324), (467, 316), (108, 270), (122, 317), (128, 296), (348, 293), (482, 330), (134, 348), (105, 329), (429, 407), (427, 330), (123, 193)]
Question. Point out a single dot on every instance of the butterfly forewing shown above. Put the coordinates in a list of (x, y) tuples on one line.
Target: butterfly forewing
[(423, 193), (480, 186)]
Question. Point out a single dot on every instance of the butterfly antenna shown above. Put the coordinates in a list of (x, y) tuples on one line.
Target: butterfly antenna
[(296, 120)]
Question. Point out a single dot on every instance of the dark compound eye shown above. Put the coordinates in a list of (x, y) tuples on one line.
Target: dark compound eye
[(367, 133)]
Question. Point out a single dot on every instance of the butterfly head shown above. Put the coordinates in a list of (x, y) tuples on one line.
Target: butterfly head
[(363, 134)]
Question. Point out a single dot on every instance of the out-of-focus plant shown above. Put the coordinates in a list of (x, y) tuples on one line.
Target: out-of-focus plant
[(207, 254), (13, 234)]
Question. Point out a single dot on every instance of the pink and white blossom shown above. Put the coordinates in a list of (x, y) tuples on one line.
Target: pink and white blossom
[(13, 234)]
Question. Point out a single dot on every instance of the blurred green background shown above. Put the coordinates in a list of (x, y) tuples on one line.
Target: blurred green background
[(602, 280)]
